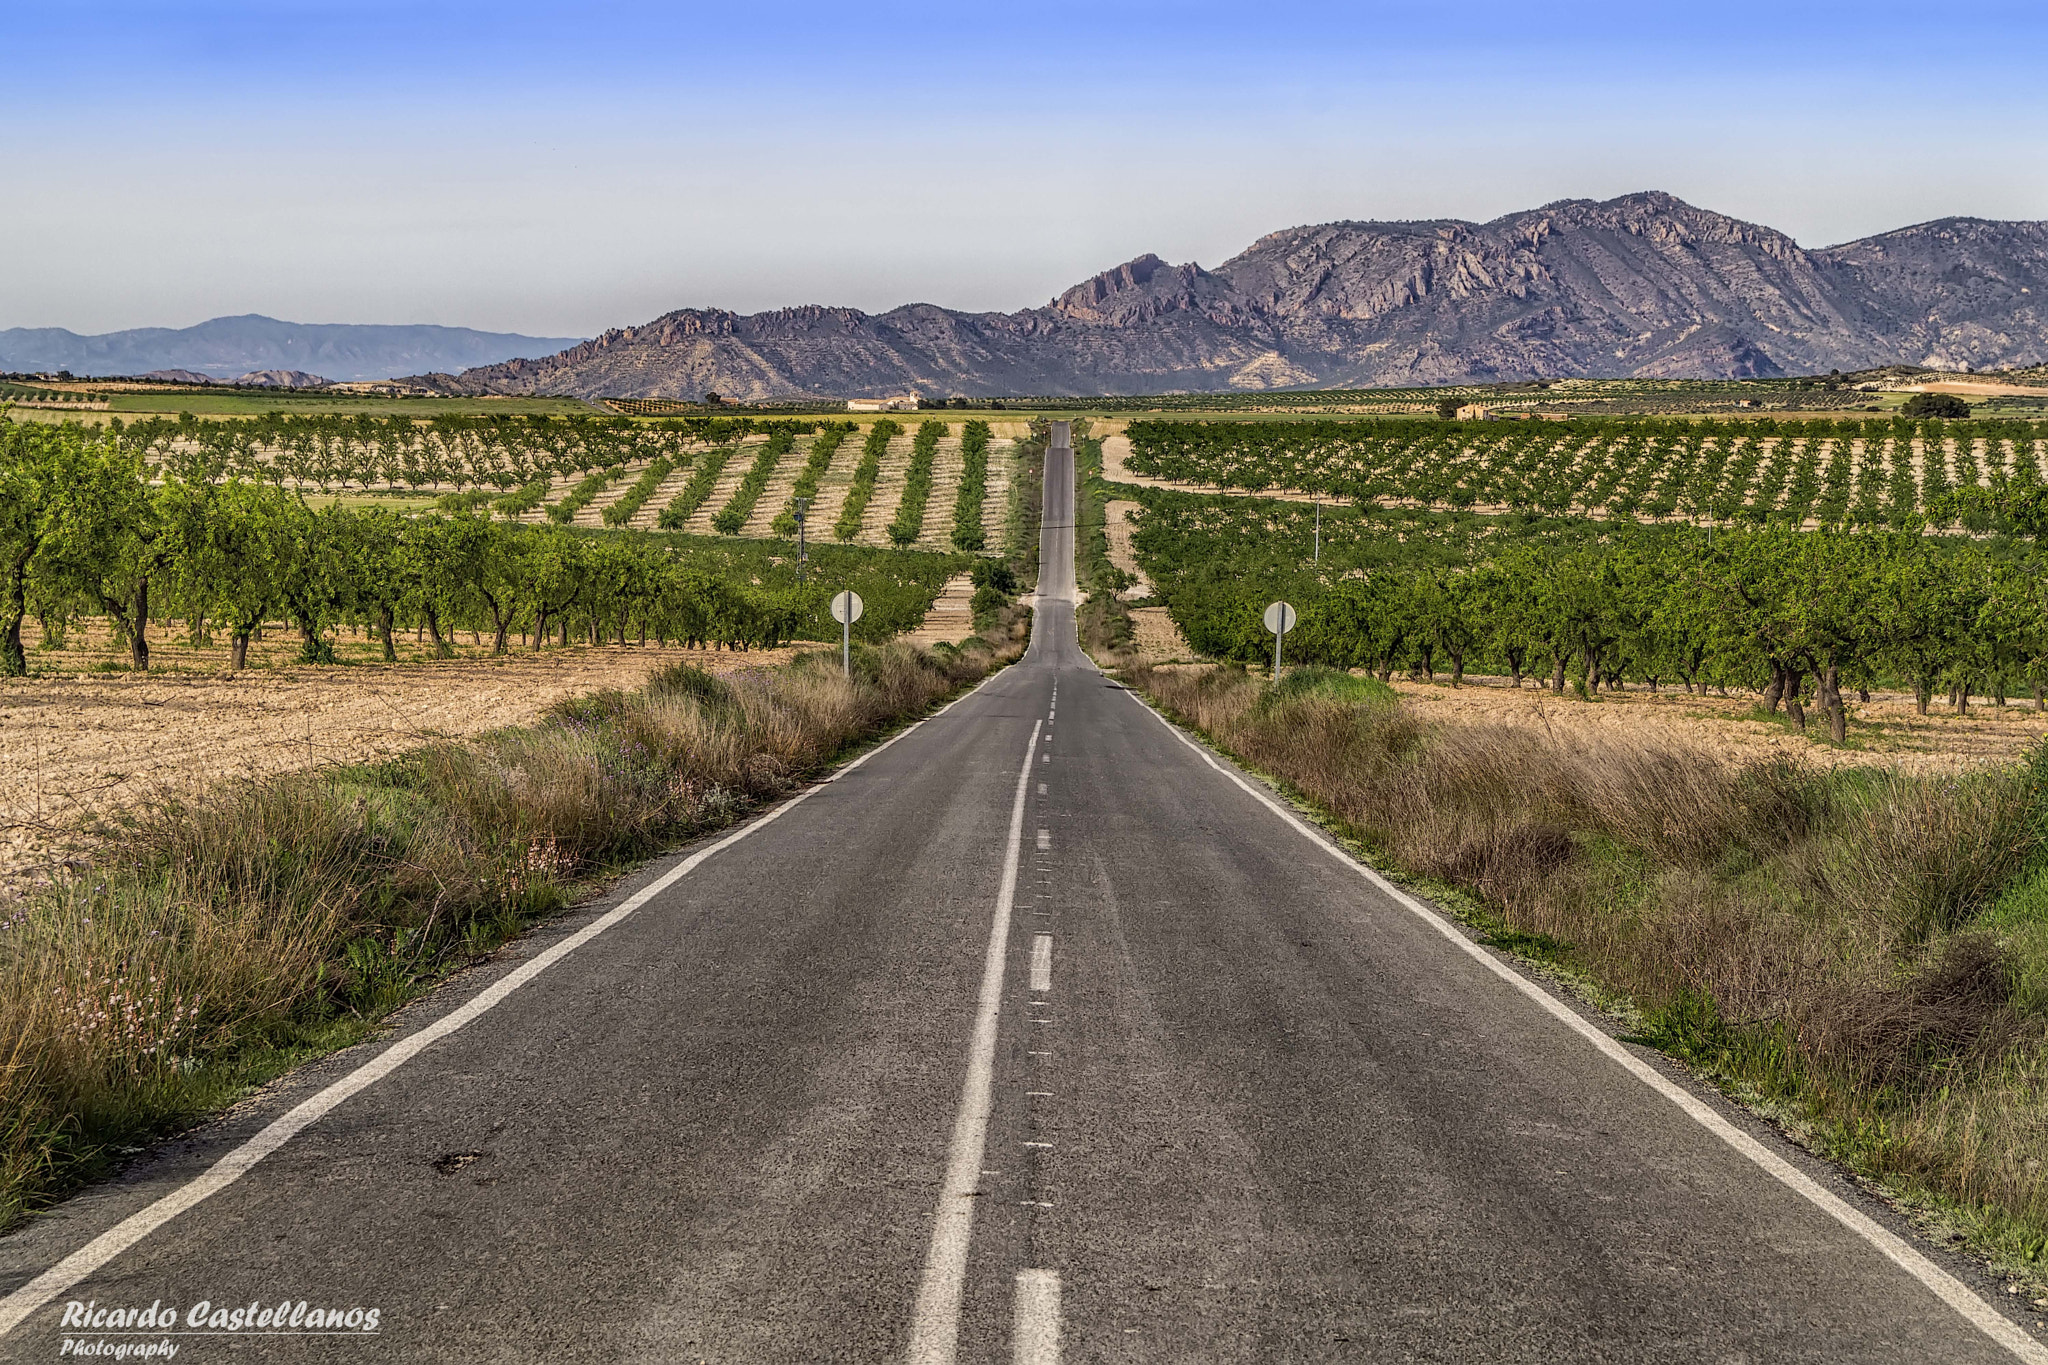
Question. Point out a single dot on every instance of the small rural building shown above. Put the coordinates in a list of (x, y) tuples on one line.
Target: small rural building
[(904, 403), (1474, 412)]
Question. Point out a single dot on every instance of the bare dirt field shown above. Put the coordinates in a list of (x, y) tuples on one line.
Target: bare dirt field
[(1117, 527), (951, 618), (1157, 638), (74, 746), (84, 737), (1884, 731)]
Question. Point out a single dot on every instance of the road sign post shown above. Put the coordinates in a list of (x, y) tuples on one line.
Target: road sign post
[(1279, 620), (846, 609)]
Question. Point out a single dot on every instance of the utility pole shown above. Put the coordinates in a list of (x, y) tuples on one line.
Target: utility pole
[(802, 505), (1319, 530)]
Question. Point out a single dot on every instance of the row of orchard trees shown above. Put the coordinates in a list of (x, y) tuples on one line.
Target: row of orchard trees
[(1858, 473), (453, 450), (85, 530), (1789, 614)]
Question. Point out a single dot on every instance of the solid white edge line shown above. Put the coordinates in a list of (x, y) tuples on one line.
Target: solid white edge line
[(1950, 1290), (935, 1320), (17, 1307), (1035, 1319)]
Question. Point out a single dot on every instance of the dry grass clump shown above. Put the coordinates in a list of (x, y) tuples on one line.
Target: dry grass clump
[(1866, 948), (230, 935)]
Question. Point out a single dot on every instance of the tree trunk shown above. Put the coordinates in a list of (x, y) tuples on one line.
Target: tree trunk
[(13, 661), (1775, 693), (565, 632), (1963, 699), (1796, 712), (1457, 666), (443, 648), (238, 651), (1830, 698), (1923, 692), (384, 634), (1592, 672), (1557, 680), (2040, 699), (138, 638)]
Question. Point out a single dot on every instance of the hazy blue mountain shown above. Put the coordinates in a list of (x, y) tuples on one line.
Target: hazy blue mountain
[(226, 348), (1643, 285)]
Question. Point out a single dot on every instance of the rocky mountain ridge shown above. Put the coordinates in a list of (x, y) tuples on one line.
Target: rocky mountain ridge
[(1643, 285)]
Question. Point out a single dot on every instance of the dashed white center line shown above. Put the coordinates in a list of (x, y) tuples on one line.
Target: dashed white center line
[(1041, 789), (1035, 1321), (1041, 962), (1044, 840)]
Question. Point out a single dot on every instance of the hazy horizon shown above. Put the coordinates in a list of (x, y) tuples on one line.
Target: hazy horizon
[(502, 169)]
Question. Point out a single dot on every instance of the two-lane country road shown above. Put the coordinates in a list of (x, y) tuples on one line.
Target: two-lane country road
[(1037, 1035)]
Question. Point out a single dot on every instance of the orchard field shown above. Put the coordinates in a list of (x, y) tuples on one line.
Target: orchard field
[(731, 476), (1796, 563), (194, 599), (530, 527), (1843, 473)]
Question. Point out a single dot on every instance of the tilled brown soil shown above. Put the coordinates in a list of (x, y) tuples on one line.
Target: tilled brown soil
[(74, 746), (1884, 731)]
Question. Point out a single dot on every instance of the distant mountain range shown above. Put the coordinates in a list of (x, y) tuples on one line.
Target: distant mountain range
[(228, 348), (1644, 285), (256, 379)]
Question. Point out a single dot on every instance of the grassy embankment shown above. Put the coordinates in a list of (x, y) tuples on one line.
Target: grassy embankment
[(1862, 956), (225, 939)]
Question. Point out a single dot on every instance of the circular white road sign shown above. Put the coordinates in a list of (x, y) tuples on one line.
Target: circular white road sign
[(1279, 618), (847, 607)]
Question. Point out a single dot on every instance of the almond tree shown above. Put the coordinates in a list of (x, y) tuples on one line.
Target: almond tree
[(38, 465), (229, 557), (110, 537)]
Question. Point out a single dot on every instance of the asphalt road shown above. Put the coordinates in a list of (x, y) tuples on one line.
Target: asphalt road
[(1033, 1037)]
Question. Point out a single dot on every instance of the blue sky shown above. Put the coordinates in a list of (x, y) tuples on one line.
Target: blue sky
[(558, 169)]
